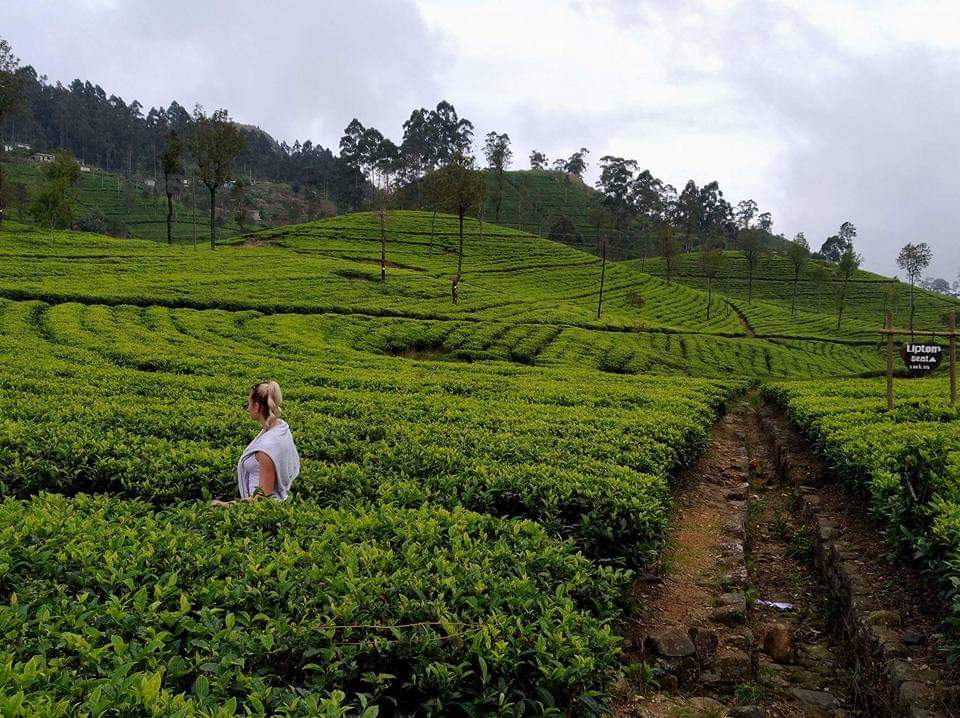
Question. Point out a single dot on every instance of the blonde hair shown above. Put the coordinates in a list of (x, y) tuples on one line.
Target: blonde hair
[(266, 395)]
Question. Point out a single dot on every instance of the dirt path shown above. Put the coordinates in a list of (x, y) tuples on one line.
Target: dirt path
[(738, 619), (744, 322)]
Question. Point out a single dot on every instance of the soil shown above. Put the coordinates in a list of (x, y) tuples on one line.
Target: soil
[(781, 660)]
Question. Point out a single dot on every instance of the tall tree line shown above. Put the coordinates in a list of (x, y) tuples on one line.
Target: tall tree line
[(105, 130)]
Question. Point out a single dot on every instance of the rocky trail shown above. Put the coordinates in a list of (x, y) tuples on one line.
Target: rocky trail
[(776, 598)]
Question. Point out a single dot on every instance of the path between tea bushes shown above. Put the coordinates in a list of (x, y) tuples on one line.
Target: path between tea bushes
[(745, 614)]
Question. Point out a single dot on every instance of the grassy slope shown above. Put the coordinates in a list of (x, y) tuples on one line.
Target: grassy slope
[(523, 298), (869, 297), (145, 213), (146, 402)]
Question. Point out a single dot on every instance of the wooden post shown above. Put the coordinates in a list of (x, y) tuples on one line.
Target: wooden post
[(889, 360), (953, 358)]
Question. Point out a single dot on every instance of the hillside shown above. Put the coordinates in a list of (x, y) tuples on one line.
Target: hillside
[(134, 208), (522, 298), (869, 297), (477, 478)]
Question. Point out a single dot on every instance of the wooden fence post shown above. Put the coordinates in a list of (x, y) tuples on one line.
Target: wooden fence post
[(889, 360), (953, 358)]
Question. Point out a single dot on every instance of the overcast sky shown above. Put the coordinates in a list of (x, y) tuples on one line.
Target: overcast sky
[(820, 110)]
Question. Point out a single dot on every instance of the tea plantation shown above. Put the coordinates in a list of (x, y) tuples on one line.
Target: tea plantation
[(906, 463), (481, 480)]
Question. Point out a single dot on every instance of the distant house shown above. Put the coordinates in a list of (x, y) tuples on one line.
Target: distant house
[(8, 148), (21, 146), (151, 183), (43, 157), (84, 168)]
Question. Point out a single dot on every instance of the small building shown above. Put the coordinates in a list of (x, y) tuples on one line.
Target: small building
[(84, 168), (151, 183), (21, 146), (8, 148), (43, 158)]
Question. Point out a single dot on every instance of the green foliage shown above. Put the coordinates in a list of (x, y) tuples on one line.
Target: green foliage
[(906, 464), (54, 204), (474, 490), (273, 607)]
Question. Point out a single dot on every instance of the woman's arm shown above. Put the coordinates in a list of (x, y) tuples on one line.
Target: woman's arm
[(268, 480), (268, 474)]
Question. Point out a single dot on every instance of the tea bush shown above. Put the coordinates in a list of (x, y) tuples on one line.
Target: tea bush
[(271, 607), (906, 463)]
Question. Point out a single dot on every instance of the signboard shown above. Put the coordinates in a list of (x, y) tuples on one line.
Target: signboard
[(921, 358)]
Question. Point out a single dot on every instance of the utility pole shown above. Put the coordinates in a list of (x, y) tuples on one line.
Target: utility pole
[(603, 271)]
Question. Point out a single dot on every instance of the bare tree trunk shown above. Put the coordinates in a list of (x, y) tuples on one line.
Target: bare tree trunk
[(383, 248), (193, 191), (603, 271), (843, 299), (166, 188), (911, 304), (456, 280), (796, 283), (213, 217)]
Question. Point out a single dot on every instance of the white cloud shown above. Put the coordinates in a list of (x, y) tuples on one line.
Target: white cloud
[(821, 110)]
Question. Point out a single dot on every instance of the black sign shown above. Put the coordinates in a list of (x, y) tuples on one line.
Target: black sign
[(921, 358)]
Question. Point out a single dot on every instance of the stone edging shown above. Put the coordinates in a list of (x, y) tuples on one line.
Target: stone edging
[(881, 651)]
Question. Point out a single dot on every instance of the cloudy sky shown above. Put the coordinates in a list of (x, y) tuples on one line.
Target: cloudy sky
[(820, 110)]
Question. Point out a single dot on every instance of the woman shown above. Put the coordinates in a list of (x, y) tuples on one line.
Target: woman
[(270, 463)]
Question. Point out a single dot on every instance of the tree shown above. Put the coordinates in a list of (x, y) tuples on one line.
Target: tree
[(711, 261), (562, 229), (938, 285), (11, 94), (576, 164), (745, 213), (457, 187), (835, 245), (715, 211), (599, 217), (849, 263), (171, 164), (416, 148), (689, 212), (538, 160), (750, 243), (384, 197), (616, 183), (55, 202), (603, 271), (450, 136), (668, 249), (498, 153), (648, 196), (798, 254), (215, 143), (914, 259)]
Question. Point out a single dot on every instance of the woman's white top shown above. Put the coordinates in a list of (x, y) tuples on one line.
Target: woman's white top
[(277, 443)]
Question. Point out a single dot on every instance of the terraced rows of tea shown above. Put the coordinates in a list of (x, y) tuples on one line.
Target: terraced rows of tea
[(480, 480)]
